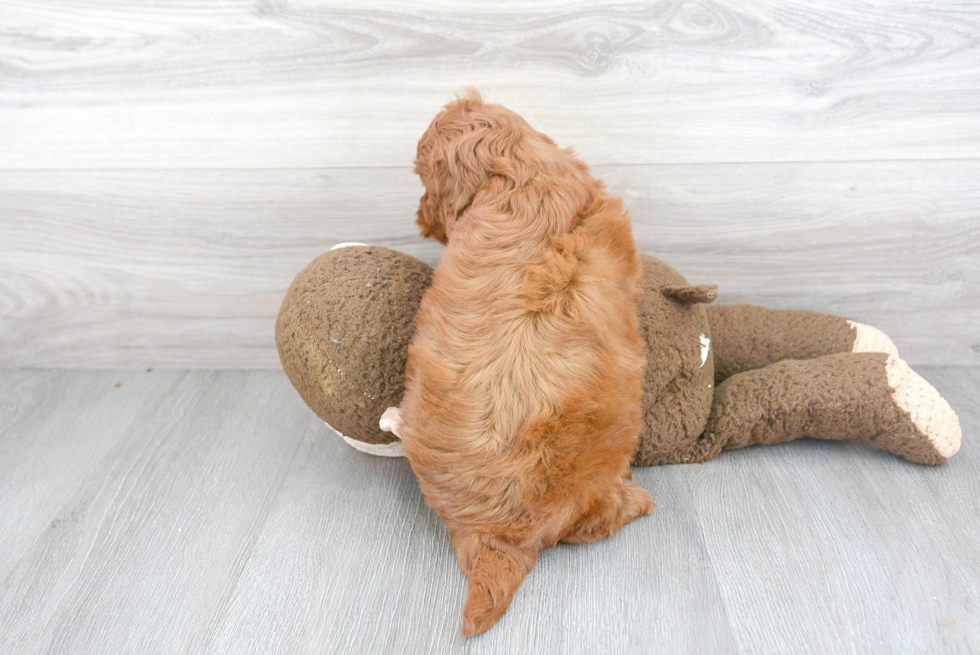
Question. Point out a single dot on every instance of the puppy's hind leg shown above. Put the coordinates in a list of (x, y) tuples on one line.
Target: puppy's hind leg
[(618, 505), (495, 569)]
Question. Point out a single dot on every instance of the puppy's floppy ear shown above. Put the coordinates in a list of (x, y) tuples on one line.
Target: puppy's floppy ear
[(458, 165), (458, 154), (430, 219), (430, 167)]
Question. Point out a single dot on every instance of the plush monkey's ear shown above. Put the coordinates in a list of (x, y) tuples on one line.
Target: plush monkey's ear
[(703, 293)]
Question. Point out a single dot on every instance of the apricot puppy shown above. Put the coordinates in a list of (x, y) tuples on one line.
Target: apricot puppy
[(522, 402)]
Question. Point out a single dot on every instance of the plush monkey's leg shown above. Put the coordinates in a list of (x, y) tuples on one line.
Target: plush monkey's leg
[(747, 337), (839, 397)]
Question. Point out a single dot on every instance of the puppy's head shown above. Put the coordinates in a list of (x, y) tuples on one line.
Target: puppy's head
[(466, 144)]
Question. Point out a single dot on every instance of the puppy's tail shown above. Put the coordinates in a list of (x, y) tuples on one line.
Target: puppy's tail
[(494, 571)]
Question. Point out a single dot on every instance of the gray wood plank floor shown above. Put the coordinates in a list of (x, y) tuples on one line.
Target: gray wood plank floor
[(211, 511)]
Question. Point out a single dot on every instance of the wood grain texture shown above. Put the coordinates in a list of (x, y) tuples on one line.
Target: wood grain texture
[(188, 268), (313, 83), (219, 515), (143, 553), (846, 549), (55, 433), (351, 539), (167, 167)]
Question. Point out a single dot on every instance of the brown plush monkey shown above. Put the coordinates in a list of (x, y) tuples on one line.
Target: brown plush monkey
[(716, 377)]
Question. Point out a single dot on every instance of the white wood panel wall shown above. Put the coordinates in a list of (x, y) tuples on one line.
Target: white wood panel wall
[(167, 167)]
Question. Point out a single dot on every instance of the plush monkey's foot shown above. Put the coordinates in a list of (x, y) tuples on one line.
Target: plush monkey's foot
[(389, 423), (933, 432), (844, 397), (390, 420), (869, 339)]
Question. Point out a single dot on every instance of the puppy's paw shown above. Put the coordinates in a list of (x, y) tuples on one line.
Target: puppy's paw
[(636, 501), (614, 510)]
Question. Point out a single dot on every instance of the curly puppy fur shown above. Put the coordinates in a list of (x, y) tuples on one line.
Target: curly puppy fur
[(522, 403)]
